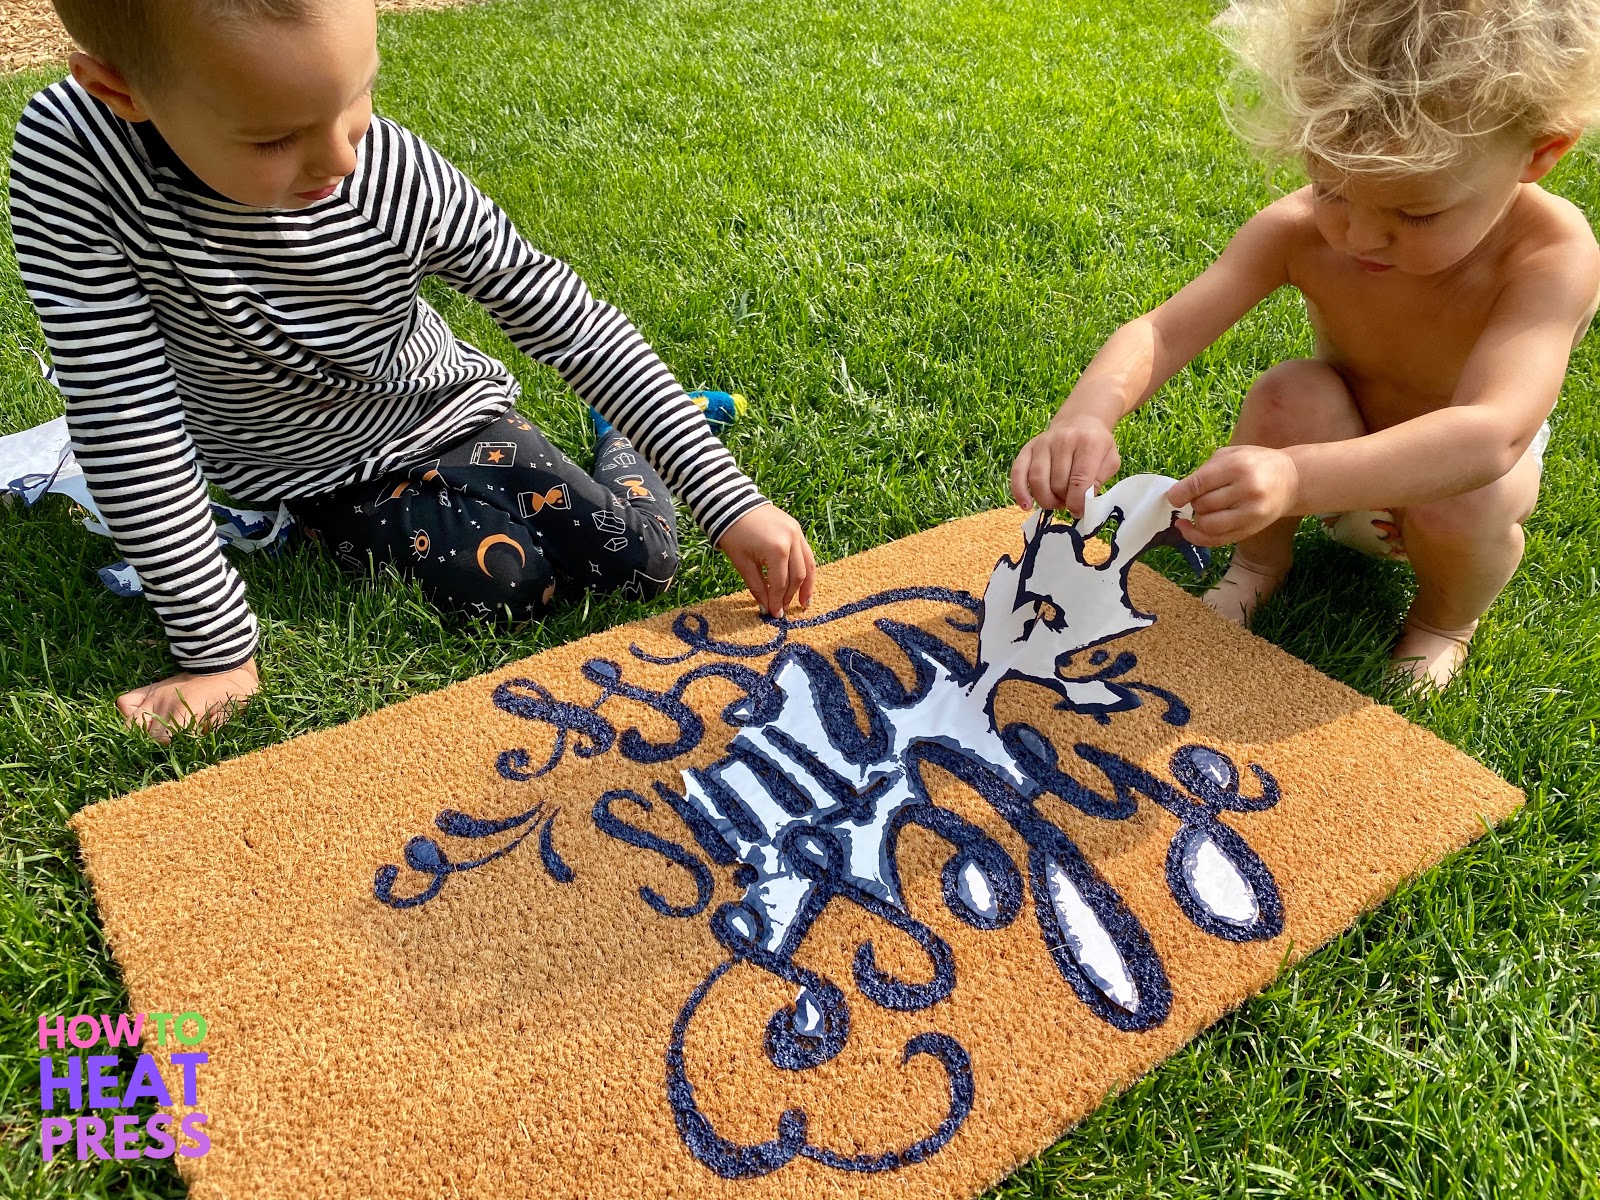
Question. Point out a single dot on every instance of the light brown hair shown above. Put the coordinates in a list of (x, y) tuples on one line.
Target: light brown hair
[(131, 35)]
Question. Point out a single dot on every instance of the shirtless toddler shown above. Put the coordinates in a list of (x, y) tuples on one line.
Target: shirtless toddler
[(1445, 287)]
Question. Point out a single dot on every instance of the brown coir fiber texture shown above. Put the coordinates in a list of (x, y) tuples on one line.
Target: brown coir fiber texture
[(510, 1037)]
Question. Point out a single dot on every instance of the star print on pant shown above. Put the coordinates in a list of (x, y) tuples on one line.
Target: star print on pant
[(501, 522), (494, 454)]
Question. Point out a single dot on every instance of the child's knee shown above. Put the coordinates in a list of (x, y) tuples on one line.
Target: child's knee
[(1441, 523), (1301, 400), (659, 571), (1490, 514), (500, 579), (653, 570), (1486, 515), (531, 595)]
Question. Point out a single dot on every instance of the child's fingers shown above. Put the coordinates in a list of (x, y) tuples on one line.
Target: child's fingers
[(1216, 500), (198, 703), (169, 711), (130, 704), (781, 599), (778, 571), (750, 572), (797, 573), (1088, 471), (1186, 489), (230, 708), (155, 721), (1019, 478), (1110, 464), (222, 712), (1198, 537), (143, 709), (1074, 489), (805, 569), (1220, 528), (1217, 519), (810, 580), (1208, 490), (1040, 485)]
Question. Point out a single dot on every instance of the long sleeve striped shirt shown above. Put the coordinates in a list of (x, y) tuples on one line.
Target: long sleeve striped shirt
[(282, 354)]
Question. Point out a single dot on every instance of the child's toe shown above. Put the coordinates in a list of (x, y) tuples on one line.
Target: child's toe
[(1242, 590), (1427, 659)]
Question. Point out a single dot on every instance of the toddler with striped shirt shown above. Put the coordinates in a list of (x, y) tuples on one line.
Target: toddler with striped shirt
[(224, 246)]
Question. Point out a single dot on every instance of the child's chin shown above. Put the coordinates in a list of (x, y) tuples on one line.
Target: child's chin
[(265, 203), (291, 203)]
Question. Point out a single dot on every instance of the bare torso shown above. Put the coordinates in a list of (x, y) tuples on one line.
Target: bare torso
[(1401, 341)]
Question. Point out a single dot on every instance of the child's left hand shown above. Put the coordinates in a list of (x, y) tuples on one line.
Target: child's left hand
[(771, 553), (1238, 492)]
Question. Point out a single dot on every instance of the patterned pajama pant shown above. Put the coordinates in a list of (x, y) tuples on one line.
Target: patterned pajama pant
[(503, 521)]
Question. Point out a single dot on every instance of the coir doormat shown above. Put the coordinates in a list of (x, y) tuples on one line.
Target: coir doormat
[(876, 901)]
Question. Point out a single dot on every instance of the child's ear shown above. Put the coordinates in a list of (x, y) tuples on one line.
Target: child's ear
[(1547, 152), (106, 84)]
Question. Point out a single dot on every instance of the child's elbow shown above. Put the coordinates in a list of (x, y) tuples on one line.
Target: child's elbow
[(1507, 459), (1506, 443)]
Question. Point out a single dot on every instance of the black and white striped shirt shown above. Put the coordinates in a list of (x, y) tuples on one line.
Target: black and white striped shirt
[(283, 354)]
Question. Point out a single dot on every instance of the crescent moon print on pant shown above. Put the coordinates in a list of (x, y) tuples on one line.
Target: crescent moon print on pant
[(498, 539)]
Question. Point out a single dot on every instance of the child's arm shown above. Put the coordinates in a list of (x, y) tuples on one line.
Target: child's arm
[(551, 316), (1077, 449), (128, 432), (1508, 386)]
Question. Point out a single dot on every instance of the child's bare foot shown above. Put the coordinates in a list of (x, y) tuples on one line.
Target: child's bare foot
[(1427, 657), (1242, 588)]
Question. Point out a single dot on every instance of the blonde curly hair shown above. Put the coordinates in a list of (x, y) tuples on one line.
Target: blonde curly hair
[(1395, 87)]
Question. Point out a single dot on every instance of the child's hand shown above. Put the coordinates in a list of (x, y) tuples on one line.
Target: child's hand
[(1238, 492), (201, 701), (770, 551), (1057, 468)]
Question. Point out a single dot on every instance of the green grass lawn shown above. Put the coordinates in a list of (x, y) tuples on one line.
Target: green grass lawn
[(902, 228)]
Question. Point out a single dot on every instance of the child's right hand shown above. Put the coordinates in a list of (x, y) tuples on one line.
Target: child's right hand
[(184, 700), (1059, 466), (770, 552)]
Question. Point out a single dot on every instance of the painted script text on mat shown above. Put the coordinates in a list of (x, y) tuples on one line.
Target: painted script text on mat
[(807, 807)]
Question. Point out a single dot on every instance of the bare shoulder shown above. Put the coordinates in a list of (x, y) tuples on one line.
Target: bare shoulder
[(1269, 242), (1554, 242), (1287, 230), (1287, 221), (1552, 265), (1557, 216)]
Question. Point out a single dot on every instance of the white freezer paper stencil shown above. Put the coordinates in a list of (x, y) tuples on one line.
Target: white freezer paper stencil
[(1038, 612)]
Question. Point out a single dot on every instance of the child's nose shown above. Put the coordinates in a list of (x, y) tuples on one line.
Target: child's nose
[(1364, 232), (335, 157)]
